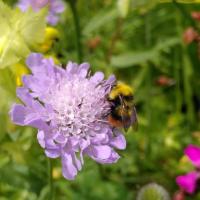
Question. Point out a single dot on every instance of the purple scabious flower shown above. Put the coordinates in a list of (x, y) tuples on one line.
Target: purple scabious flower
[(55, 7), (69, 108)]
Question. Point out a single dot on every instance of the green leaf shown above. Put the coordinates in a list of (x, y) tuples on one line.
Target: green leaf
[(133, 58), (20, 33), (139, 58), (101, 19)]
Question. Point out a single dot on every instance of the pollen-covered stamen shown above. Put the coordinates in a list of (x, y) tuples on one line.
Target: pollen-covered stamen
[(77, 108)]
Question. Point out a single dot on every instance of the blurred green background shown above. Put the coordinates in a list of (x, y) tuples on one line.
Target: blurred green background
[(142, 44)]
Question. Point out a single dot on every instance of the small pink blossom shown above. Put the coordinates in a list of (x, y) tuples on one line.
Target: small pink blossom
[(188, 182), (193, 153)]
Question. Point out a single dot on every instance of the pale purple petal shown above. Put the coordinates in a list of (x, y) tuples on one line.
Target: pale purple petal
[(119, 142), (58, 6), (97, 78), (52, 19), (34, 61), (102, 152), (18, 114), (68, 169), (114, 157), (71, 67), (109, 83), (38, 4), (55, 7), (76, 161), (24, 4), (41, 138), (37, 123), (83, 70), (60, 139), (100, 139), (53, 153)]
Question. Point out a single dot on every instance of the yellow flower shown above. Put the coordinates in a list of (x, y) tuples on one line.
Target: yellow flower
[(51, 34), (56, 173), (19, 70)]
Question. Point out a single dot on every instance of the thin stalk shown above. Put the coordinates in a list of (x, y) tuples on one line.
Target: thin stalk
[(185, 14), (148, 38), (51, 186), (77, 30), (177, 68), (177, 78), (148, 111)]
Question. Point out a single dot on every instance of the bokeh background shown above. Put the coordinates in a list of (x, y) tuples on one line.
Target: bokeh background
[(145, 44)]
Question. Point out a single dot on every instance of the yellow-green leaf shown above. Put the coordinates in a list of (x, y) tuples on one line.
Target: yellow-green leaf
[(20, 33)]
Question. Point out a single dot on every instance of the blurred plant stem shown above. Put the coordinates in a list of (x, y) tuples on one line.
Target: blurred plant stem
[(177, 76), (177, 67), (77, 29), (186, 71), (51, 186), (147, 41), (114, 38), (185, 14)]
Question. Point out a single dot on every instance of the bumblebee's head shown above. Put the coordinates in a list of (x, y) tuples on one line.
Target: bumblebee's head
[(120, 89)]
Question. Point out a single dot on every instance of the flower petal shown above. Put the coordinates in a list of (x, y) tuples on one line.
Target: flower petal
[(52, 153), (112, 159), (193, 153), (40, 137), (37, 123), (97, 77), (69, 171), (58, 6), (71, 67), (188, 182), (101, 152), (23, 94), (100, 139), (83, 69), (34, 61), (119, 142), (76, 161), (17, 114)]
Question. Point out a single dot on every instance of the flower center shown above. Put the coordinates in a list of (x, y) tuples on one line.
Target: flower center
[(78, 106)]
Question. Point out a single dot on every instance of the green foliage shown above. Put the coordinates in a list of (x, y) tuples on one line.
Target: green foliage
[(18, 36)]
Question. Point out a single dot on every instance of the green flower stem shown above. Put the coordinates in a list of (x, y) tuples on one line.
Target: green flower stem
[(77, 29), (185, 14), (51, 186)]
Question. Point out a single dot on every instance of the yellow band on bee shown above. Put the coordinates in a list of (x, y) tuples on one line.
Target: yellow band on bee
[(121, 88)]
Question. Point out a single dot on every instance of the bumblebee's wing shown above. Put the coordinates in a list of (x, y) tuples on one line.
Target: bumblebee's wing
[(132, 121), (125, 120)]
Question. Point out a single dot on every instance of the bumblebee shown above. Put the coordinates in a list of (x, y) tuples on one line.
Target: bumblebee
[(123, 111)]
